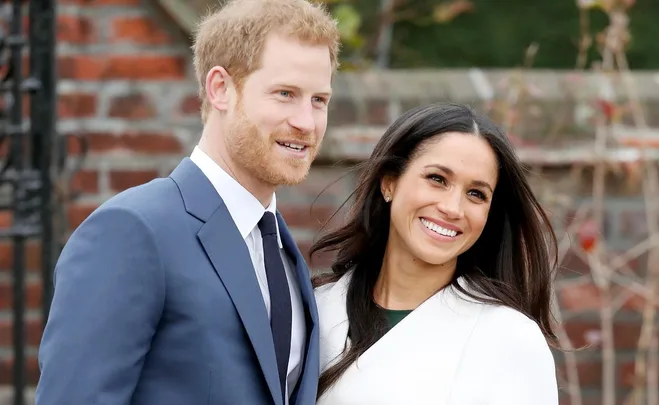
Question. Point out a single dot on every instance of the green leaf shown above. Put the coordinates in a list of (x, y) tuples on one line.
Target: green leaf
[(348, 20)]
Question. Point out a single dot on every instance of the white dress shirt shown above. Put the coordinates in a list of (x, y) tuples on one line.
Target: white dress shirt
[(246, 211)]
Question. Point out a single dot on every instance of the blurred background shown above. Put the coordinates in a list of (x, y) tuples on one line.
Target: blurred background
[(99, 96)]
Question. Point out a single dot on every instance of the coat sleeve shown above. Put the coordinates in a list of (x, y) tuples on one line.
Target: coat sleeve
[(526, 371), (109, 291)]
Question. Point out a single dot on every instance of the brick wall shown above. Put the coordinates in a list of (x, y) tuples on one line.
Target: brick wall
[(126, 84)]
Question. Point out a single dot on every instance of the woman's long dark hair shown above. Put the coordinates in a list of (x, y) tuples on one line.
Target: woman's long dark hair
[(510, 263)]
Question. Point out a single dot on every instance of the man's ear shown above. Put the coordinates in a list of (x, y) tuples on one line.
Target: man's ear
[(218, 88)]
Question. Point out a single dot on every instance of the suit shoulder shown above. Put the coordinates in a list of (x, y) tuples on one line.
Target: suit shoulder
[(151, 200)]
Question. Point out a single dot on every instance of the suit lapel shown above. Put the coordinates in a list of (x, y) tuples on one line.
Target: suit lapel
[(230, 258), (308, 381), (301, 269)]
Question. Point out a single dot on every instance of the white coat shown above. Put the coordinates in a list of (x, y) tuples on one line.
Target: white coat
[(451, 350)]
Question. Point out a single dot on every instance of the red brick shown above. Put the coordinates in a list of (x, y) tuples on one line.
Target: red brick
[(138, 30), (574, 265), (132, 106), (76, 105), (73, 144), (151, 143), (6, 219), (123, 179), (586, 334), (377, 112), (589, 372), (32, 255), (32, 296), (579, 332), (132, 67), (75, 29), (626, 334), (580, 297), (139, 142), (147, 67), (85, 181), (191, 105), (78, 213), (626, 374), (96, 142), (31, 371), (587, 398), (323, 185), (307, 217), (33, 331), (321, 260), (81, 67), (26, 65)]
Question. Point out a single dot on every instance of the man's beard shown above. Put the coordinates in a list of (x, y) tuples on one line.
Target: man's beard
[(253, 151)]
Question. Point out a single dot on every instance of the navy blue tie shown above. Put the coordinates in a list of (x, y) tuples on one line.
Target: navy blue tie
[(280, 297)]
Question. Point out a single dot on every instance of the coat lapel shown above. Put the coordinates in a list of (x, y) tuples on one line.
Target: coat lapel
[(333, 320), (230, 258), (301, 269), (423, 351)]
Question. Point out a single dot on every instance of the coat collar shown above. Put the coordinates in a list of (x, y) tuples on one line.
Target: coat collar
[(438, 329)]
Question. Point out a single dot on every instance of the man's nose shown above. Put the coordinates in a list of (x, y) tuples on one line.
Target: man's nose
[(303, 119)]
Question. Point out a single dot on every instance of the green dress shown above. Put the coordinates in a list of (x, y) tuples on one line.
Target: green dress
[(394, 316)]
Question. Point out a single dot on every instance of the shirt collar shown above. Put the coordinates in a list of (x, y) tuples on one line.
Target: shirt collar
[(244, 208)]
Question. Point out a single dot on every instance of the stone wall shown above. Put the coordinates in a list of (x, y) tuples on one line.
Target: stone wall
[(126, 85)]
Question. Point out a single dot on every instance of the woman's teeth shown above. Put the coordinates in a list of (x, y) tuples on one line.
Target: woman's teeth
[(438, 229)]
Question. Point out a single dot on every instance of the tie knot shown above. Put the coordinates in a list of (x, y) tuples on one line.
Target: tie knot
[(268, 224)]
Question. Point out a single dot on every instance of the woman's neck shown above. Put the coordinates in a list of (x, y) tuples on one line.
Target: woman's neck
[(405, 282)]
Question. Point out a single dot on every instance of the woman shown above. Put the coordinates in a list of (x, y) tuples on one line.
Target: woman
[(440, 290)]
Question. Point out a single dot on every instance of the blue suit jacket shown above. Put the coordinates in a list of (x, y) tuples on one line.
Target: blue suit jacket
[(156, 302)]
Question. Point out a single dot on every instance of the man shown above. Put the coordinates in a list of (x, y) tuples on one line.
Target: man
[(189, 290)]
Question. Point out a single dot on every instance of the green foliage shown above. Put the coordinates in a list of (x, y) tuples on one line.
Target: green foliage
[(494, 34), (349, 22)]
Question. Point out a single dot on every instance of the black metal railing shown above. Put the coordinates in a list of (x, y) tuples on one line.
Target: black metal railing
[(35, 161)]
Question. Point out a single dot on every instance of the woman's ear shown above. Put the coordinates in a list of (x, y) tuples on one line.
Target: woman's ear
[(387, 188)]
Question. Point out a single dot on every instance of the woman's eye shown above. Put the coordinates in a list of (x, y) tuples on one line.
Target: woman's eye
[(478, 194), (438, 179)]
